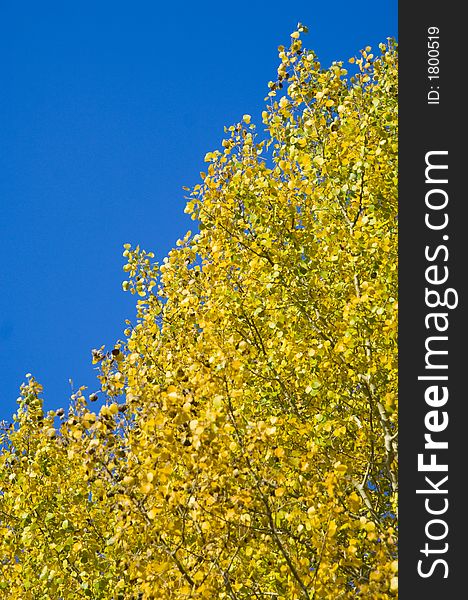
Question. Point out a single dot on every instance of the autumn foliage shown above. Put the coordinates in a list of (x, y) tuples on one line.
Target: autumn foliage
[(246, 447)]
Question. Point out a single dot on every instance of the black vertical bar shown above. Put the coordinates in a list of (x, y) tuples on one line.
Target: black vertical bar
[(432, 245)]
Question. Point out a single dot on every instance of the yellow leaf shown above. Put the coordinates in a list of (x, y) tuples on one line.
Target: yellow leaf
[(152, 513), (146, 487), (340, 468), (332, 527)]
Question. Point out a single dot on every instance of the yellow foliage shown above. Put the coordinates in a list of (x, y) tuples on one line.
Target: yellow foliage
[(247, 445)]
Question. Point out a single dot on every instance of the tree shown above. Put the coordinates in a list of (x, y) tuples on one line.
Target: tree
[(247, 444)]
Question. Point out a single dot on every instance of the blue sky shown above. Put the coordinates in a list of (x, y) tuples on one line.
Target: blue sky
[(107, 110)]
